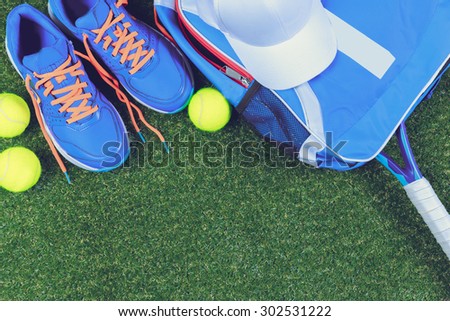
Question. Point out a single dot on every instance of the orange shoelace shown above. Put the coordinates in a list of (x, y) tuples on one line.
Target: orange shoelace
[(69, 95), (162, 28), (139, 58), (125, 39), (114, 83)]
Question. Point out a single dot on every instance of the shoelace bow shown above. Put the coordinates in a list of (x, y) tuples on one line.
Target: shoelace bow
[(138, 58), (69, 95)]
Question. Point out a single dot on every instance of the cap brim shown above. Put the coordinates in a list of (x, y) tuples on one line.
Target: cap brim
[(293, 62)]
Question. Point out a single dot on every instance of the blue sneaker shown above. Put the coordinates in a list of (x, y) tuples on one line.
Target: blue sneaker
[(148, 66), (75, 118)]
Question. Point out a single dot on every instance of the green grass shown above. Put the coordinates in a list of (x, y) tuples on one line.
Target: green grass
[(197, 233)]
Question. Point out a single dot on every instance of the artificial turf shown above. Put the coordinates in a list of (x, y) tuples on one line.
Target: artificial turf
[(226, 232)]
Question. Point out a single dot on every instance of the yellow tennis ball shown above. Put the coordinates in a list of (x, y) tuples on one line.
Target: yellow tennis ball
[(14, 115), (20, 169), (209, 110)]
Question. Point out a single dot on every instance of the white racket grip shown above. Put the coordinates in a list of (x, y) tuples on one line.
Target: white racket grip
[(433, 212)]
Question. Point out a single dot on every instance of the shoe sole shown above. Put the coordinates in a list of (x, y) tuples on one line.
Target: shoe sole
[(186, 63), (57, 146)]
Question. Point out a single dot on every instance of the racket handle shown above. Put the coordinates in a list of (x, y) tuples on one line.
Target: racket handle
[(433, 212)]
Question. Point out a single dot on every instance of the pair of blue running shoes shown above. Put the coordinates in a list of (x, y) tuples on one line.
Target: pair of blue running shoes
[(77, 120)]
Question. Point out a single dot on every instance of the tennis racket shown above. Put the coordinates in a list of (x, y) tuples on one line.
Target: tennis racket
[(419, 190)]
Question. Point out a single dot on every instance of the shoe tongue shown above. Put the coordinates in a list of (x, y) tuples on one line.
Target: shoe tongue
[(48, 58), (95, 17)]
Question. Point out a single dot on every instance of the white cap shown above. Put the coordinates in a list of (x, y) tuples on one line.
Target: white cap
[(282, 43)]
